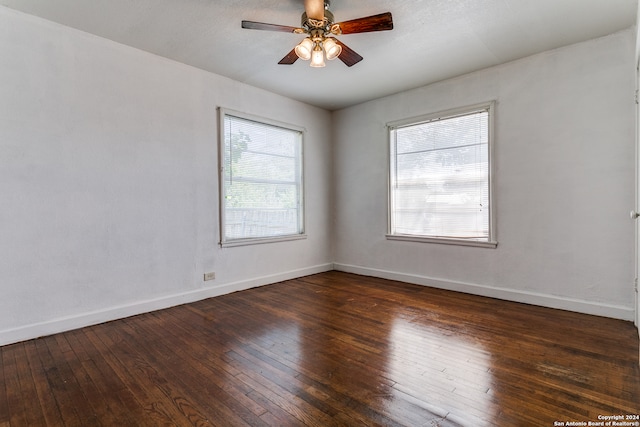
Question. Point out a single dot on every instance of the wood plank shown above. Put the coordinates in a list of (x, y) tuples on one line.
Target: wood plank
[(4, 401), (232, 392), (68, 396), (328, 349), (15, 414), (118, 405), (91, 394), (118, 355), (28, 390), (45, 399), (203, 397)]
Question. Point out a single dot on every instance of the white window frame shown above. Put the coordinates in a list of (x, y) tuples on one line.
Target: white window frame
[(491, 242), (230, 242)]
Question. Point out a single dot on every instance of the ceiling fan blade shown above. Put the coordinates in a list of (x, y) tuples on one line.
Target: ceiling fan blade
[(314, 9), (381, 22), (271, 27), (348, 55), (290, 58)]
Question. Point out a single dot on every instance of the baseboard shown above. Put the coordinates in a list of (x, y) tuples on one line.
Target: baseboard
[(545, 300), (36, 330), (55, 326)]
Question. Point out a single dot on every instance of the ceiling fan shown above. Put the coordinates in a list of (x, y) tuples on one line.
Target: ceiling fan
[(318, 25)]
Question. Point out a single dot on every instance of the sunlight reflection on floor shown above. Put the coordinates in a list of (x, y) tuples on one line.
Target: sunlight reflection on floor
[(443, 372)]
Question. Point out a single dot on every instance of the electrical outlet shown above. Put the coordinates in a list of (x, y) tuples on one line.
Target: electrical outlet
[(209, 276)]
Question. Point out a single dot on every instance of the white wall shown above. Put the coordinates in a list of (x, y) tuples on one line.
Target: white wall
[(637, 180), (564, 181), (108, 182)]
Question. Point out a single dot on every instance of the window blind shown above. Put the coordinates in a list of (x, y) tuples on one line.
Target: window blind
[(440, 177), (262, 180)]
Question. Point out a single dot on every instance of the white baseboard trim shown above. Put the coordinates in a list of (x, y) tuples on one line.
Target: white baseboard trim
[(55, 326), (545, 300)]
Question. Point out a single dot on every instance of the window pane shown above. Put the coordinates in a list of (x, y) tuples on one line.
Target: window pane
[(440, 178), (262, 180)]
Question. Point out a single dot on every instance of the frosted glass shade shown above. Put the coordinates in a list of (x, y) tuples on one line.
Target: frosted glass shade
[(317, 57), (304, 49), (332, 49)]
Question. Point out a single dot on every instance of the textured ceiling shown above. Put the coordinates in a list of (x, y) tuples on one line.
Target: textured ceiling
[(432, 39)]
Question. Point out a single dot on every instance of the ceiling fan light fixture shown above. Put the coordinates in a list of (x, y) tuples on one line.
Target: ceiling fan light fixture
[(332, 49), (318, 23), (304, 49), (317, 57)]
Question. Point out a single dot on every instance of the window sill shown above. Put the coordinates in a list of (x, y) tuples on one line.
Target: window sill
[(260, 241), (442, 241)]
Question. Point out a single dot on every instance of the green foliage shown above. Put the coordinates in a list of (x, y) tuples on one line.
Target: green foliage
[(234, 148), (254, 195)]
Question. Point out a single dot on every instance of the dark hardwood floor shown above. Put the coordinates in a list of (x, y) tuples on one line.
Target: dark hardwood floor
[(326, 350)]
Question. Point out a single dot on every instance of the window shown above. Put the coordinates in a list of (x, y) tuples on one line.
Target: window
[(261, 197), (440, 178)]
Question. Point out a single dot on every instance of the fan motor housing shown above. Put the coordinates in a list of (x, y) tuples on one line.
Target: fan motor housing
[(311, 24)]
